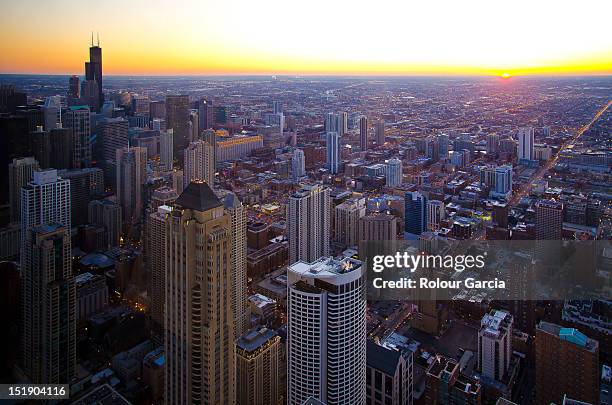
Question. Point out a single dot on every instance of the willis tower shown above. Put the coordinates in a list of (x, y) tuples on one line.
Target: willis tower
[(92, 86)]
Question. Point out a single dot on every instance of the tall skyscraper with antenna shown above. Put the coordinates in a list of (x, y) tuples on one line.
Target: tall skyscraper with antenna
[(93, 76)]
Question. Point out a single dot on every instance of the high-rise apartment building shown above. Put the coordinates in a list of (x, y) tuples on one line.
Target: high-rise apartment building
[(131, 176), (48, 323), (85, 185), (205, 114), (199, 323), (495, 344), (566, 363), (298, 164), (332, 143), (21, 172), (77, 118), (393, 173), (415, 214), (112, 135), (363, 133), (45, 200), (199, 163), (258, 358), (326, 309), (308, 224), (52, 111), (526, 144), (346, 221), (379, 131)]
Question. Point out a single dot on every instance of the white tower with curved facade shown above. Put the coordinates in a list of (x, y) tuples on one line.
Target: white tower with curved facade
[(326, 332)]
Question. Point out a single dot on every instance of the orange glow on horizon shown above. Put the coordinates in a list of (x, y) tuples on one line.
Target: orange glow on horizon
[(235, 37)]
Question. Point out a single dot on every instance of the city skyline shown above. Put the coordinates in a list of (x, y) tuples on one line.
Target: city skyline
[(206, 38)]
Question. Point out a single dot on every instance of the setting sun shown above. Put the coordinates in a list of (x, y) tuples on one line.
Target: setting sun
[(505, 75)]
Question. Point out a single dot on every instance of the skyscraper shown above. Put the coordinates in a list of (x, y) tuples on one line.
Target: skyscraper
[(156, 259), (166, 151), (61, 148), (74, 90), (298, 164), (416, 214), (131, 175), (499, 179), (199, 322), (205, 114), (332, 142), (21, 172), (308, 224), (199, 163), (566, 363), (48, 323), (346, 221), (194, 125), (326, 310), (393, 174), (277, 107), (377, 227), (258, 358), (363, 133), (238, 220), (77, 119), (495, 344), (177, 118), (93, 70), (379, 129), (85, 185), (525, 144), (52, 110), (45, 200)]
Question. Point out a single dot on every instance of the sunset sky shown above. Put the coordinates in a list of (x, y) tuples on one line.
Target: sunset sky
[(309, 37)]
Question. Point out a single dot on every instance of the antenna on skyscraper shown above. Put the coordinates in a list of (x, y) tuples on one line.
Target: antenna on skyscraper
[(98, 37), (91, 38)]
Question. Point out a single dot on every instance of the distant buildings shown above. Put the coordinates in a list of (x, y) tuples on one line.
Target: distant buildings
[(326, 332), (77, 119), (379, 132), (499, 179), (166, 148), (239, 147), (308, 224), (363, 133), (20, 173), (436, 212), (298, 164), (177, 119), (567, 363)]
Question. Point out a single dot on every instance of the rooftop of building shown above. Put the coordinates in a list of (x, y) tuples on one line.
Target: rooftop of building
[(495, 323), (381, 358), (198, 196), (261, 300), (325, 266), (255, 339), (570, 335)]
